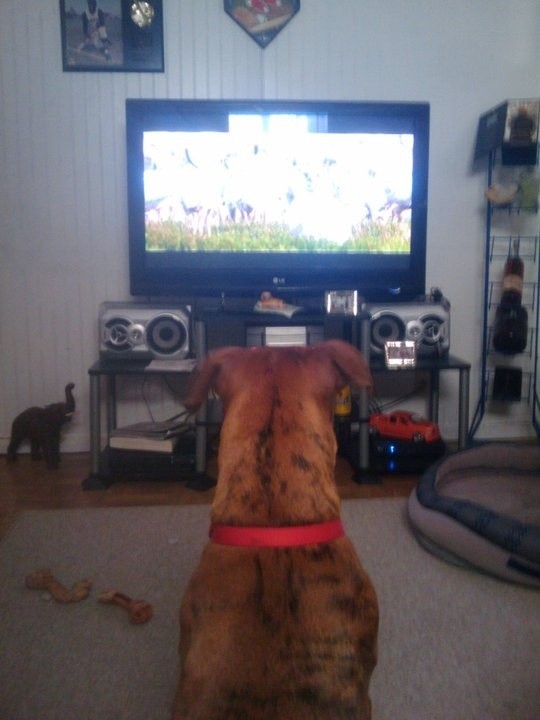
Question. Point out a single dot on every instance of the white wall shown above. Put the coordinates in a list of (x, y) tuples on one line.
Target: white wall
[(63, 219)]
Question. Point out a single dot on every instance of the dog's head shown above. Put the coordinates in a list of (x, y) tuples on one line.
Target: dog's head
[(277, 445), (317, 371)]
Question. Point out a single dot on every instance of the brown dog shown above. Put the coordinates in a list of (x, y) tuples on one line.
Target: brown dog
[(279, 621)]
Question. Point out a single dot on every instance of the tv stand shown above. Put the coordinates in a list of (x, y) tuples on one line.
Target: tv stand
[(212, 330), (103, 375)]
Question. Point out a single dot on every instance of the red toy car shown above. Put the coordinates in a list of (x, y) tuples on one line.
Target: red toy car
[(404, 425)]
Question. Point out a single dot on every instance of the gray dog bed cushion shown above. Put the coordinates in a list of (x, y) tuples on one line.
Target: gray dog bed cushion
[(481, 507)]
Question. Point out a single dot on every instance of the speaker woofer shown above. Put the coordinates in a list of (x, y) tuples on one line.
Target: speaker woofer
[(386, 328), (166, 334)]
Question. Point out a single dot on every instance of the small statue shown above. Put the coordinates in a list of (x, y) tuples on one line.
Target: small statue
[(41, 427)]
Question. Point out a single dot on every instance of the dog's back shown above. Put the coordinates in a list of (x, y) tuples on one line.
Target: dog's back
[(288, 632)]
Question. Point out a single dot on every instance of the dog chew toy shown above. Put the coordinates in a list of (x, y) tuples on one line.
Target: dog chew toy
[(45, 580), (139, 611)]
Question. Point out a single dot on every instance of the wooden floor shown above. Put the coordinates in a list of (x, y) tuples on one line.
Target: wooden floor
[(29, 485)]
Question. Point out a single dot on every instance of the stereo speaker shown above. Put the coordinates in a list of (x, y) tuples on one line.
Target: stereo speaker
[(427, 324), (133, 331)]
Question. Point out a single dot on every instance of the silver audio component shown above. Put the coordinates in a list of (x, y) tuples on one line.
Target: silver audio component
[(136, 331), (427, 324)]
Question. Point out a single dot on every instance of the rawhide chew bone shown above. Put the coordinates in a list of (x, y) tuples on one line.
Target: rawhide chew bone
[(45, 580), (139, 611)]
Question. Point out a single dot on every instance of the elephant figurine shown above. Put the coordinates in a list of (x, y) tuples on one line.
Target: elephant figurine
[(41, 426)]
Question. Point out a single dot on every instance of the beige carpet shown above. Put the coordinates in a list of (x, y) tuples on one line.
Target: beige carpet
[(454, 644)]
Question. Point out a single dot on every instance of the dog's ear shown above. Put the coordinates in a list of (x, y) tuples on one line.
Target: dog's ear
[(352, 367), (204, 377)]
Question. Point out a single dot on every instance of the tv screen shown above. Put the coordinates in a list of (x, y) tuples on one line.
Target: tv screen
[(239, 197)]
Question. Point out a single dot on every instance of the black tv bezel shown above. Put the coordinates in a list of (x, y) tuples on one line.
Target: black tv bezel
[(377, 277)]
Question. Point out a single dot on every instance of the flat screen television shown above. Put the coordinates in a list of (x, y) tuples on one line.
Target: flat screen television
[(232, 198)]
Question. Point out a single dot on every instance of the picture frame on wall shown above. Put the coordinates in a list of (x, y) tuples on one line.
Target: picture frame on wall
[(112, 35), (262, 19)]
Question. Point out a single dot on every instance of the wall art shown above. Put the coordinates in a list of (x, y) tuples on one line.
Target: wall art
[(262, 19), (112, 35)]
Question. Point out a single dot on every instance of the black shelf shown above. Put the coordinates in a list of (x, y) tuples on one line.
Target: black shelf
[(212, 330)]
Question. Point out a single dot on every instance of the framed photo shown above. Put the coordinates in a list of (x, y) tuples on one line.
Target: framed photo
[(112, 35), (262, 19)]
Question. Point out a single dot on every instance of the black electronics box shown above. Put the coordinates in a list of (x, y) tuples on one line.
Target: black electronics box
[(135, 465), (402, 456), (399, 448), (395, 457)]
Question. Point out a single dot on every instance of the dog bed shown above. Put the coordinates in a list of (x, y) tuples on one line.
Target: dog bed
[(481, 508)]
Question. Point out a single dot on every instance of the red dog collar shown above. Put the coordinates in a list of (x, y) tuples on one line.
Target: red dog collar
[(277, 536)]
